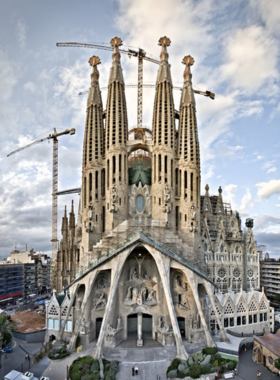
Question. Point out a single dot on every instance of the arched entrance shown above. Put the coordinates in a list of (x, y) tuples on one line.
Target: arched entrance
[(181, 323), (132, 326), (98, 326), (147, 326)]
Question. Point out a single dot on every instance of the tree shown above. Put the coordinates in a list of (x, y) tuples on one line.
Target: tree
[(6, 327), (277, 363)]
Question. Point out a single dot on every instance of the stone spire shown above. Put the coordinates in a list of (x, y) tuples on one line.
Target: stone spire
[(64, 229), (72, 224), (116, 115), (163, 117), (115, 144), (188, 147), (94, 131)]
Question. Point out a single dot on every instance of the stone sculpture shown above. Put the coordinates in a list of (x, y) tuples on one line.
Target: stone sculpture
[(99, 302)]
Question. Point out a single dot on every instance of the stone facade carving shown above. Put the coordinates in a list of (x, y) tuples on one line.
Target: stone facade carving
[(99, 301)]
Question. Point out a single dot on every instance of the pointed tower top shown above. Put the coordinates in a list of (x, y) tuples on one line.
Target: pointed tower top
[(65, 212), (164, 42), (187, 94), (220, 190), (164, 68), (116, 70), (72, 207), (115, 43), (94, 61)]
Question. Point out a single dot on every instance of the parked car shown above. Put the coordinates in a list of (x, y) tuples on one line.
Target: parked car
[(8, 349)]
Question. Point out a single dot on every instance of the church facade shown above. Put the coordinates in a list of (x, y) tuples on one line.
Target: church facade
[(148, 256)]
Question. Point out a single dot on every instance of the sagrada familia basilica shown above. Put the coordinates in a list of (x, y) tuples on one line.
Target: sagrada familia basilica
[(149, 256)]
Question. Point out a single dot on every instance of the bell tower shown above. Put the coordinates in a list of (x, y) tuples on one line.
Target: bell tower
[(164, 142), (115, 144), (188, 171), (93, 172)]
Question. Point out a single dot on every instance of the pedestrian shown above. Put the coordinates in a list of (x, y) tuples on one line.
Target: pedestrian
[(26, 357), (235, 373), (136, 371), (133, 371), (259, 375)]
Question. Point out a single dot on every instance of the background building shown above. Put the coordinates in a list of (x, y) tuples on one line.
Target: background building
[(270, 276), (37, 270)]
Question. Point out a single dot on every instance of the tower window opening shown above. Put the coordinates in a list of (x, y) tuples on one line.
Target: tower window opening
[(159, 201), (114, 164), (90, 181), (159, 167), (96, 180), (103, 182), (108, 173), (191, 181), (120, 167), (85, 192), (171, 173)]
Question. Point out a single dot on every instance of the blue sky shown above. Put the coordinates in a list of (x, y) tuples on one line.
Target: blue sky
[(236, 50)]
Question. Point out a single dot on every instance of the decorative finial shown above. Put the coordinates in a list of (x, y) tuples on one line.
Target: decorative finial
[(94, 60), (207, 187), (220, 190), (188, 60), (116, 41), (164, 41)]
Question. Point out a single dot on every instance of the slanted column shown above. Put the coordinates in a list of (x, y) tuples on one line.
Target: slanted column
[(163, 264), (71, 346), (193, 285), (72, 298), (209, 291), (117, 267)]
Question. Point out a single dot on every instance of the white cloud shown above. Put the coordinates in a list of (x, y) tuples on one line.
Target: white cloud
[(272, 170), (259, 157), (247, 65), (21, 29), (229, 194), (30, 86), (267, 189), (245, 200)]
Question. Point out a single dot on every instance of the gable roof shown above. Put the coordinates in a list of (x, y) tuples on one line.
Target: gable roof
[(132, 240)]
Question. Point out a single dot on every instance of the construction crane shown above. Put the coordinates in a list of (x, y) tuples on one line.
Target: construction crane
[(140, 53), (209, 94), (53, 137)]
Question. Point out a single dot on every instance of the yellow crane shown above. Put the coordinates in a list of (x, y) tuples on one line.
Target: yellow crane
[(53, 137)]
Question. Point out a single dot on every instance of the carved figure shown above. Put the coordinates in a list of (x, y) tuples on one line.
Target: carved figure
[(132, 273), (128, 294), (119, 326), (167, 194), (114, 195), (145, 274), (151, 295), (139, 297), (134, 295), (185, 303), (83, 326), (102, 283), (193, 213), (143, 293), (99, 301)]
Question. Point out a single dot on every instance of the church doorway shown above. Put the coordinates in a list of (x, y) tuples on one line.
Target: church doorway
[(98, 326), (147, 321), (132, 326), (181, 323)]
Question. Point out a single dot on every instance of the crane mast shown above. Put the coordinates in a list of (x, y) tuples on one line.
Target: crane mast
[(54, 239)]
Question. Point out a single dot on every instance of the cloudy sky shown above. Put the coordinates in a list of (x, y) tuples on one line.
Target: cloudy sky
[(236, 50)]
